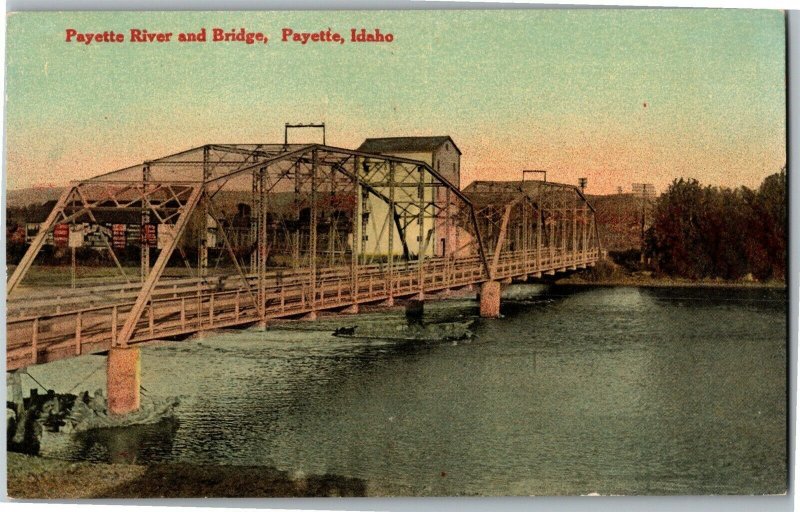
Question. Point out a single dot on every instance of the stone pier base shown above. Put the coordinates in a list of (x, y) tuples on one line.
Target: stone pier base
[(351, 310), (123, 380), (490, 299)]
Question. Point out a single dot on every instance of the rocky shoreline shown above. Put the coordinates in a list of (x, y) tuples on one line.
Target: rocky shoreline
[(43, 478)]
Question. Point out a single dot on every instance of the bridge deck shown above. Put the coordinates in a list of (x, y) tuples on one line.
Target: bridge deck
[(86, 321)]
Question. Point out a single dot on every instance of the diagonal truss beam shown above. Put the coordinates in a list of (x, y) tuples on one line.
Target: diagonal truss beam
[(124, 335), (501, 238), (38, 242)]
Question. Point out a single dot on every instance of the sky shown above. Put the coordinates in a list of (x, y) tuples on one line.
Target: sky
[(617, 96)]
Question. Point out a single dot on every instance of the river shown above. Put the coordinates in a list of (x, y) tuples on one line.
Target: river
[(576, 390)]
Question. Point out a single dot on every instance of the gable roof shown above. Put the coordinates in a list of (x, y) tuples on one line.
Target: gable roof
[(405, 144)]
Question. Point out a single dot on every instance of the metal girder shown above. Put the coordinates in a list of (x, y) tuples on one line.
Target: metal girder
[(38, 242), (502, 236), (125, 333)]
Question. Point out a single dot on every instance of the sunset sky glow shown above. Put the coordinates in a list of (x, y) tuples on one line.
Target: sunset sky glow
[(618, 96)]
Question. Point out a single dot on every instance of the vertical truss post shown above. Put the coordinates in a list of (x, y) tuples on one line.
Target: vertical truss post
[(596, 235), (203, 248), (584, 230), (312, 249), (254, 226), (296, 233), (391, 214), (525, 235), (144, 252), (74, 268), (331, 244), (145, 293), (355, 249), (539, 217), (574, 212), (261, 249), (448, 261), (421, 227), (551, 225), (564, 226)]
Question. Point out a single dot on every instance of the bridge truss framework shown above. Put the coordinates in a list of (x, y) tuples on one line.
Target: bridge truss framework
[(253, 232)]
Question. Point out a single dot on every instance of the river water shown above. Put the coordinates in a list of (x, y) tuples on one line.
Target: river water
[(576, 390)]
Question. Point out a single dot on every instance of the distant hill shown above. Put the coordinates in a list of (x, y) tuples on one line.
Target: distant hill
[(23, 197)]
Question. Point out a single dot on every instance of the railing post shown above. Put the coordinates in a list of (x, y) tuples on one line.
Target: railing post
[(183, 312), (114, 322), (236, 310), (211, 310), (199, 309), (78, 327), (150, 319), (35, 341)]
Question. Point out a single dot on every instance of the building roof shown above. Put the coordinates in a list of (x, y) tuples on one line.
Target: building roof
[(405, 144), (483, 193)]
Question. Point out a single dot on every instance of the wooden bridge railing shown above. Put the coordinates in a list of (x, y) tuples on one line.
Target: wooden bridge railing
[(50, 330)]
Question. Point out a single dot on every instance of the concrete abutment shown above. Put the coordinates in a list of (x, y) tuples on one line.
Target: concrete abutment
[(490, 299), (123, 373)]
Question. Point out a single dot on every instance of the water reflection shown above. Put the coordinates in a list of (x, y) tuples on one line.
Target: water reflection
[(576, 390), (121, 445)]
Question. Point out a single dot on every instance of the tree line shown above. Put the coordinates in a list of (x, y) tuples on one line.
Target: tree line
[(716, 232)]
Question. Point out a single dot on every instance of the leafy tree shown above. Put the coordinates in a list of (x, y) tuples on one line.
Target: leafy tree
[(706, 232)]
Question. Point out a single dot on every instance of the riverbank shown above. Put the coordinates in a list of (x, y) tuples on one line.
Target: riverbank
[(666, 282), (32, 477), (609, 273)]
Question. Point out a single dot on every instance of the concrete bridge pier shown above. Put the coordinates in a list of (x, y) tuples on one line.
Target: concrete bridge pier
[(490, 299), (123, 373)]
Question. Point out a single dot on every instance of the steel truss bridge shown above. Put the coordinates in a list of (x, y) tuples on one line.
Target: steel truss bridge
[(249, 233)]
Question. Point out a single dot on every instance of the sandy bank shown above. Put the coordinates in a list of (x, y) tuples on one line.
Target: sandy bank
[(42, 478)]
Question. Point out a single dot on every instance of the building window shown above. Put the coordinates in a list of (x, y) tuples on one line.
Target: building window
[(438, 165), (447, 147)]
